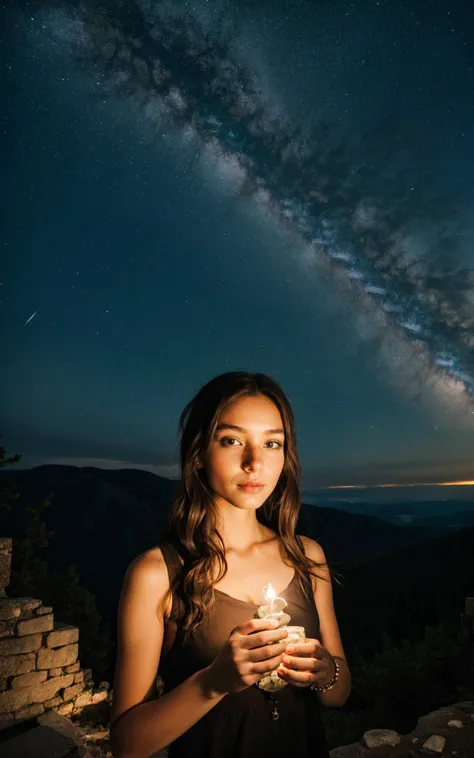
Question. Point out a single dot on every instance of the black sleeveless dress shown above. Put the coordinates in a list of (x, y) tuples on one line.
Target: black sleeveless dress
[(251, 723)]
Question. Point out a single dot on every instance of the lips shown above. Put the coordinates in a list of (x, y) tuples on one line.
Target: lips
[(251, 487)]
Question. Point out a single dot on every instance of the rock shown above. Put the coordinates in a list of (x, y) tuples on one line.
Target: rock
[(39, 742), (346, 751), (378, 737), (18, 607), (435, 743), (14, 665), (13, 700), (448, 731), (49, 658), (33, 679), (35, 625), (44, 609), (19, 645), (62, 725), (62, 635)]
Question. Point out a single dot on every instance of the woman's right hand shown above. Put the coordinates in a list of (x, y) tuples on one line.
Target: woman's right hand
[(246, 657)]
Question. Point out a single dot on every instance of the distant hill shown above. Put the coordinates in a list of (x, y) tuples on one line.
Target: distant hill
[(403, 592), (441, 516), (104, 518)]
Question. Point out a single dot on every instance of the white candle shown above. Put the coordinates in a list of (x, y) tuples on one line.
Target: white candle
[(272, 682), (269, 594), (276, 607)]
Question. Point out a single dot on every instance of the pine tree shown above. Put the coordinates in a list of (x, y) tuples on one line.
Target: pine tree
[(7, 487)]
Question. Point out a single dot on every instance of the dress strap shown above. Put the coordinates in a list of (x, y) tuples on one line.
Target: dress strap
[(171, 557)]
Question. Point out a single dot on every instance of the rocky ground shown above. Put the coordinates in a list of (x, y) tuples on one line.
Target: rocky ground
[(447, 732)]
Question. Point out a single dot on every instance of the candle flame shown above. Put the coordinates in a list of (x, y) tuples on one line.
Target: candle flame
[(268, 592)]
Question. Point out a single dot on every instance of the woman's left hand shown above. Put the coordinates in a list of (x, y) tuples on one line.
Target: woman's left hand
[(306, 663)]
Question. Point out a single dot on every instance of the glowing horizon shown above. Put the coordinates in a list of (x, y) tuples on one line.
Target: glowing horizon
[(466, 483)]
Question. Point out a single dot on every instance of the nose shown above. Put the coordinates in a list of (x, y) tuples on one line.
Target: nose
[(252, 459)]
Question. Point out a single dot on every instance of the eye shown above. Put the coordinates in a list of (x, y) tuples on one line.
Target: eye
[(233, 439)]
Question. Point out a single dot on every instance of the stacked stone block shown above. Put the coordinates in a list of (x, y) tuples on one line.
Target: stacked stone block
[(39, 658)]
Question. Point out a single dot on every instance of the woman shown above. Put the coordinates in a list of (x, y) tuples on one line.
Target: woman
[(188, 607)]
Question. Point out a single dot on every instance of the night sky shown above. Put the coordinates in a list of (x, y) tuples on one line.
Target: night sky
[(298, 204)]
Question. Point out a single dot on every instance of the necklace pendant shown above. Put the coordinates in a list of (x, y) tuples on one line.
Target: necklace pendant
[(274, 714)]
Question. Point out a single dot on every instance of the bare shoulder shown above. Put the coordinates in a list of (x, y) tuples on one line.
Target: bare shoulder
[(151, 562), (148, 573), (314, 551)]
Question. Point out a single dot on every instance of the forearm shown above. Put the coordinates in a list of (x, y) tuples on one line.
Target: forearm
[(152, 726), (337, 696)]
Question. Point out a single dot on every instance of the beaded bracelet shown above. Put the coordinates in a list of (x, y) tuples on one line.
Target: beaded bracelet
[(324, 687)]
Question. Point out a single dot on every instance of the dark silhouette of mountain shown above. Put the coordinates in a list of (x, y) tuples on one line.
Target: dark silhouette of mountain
[(351, 538), (441, 515), (444, 523), (401, 593), (104, 518)]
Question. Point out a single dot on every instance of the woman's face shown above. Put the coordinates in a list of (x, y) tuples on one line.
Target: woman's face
[(251, 450)]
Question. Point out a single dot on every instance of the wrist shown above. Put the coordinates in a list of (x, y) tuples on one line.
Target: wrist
[(330, 680), (207, 686), (332, 671)]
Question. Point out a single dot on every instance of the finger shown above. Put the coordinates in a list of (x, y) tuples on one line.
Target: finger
[(265, 666), (252, 641), (296, 677), (307, 641), (255, 625), (303, 648), (266, 652), (303, 664)]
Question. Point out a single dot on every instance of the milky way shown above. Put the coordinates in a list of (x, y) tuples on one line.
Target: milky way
[(320, 190)]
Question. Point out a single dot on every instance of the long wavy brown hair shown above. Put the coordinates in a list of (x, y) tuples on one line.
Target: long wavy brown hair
[(191, 526)]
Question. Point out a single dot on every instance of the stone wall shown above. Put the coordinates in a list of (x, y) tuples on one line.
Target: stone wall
[(39, 658)]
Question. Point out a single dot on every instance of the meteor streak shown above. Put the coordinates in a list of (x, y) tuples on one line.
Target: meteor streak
[(31, 317)]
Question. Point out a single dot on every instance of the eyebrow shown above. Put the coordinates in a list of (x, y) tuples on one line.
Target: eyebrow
[(241, 429)]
